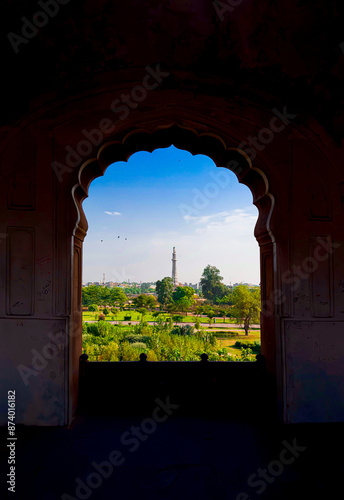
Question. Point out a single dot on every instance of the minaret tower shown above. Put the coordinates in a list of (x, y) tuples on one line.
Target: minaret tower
[(174, 268)]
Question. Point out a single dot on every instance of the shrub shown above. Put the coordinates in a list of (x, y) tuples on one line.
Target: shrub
[(128, 352), (101, 317), (106, 311), (183, 330), (93, 351), (131, 338), (127, 318), (246, 355), (139, 345), (109, 352), (177, 318), (249, 344), (100, 329), (84, 328), (93, 308), (224, 334), (142, 328), (152, 356)]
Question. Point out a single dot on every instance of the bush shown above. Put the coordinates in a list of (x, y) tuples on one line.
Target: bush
[(109, 352), (84, 328), (131, 353), (93, 308), (142, 328), (127, 318), (152, 356), (246, 355), (222, 334), (177, 318), (100, 329), (101, 317), (249, 344), (183, 330), (132, 338), (139, 345), (106, 311)]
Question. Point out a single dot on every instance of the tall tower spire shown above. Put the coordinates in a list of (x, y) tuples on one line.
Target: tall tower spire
[(174, 268)]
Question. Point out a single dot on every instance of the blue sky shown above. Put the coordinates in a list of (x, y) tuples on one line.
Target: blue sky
[(164, 199)]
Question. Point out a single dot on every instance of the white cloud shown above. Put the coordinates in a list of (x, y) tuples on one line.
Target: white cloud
[(203, 219), (112, 213), (240, 220)]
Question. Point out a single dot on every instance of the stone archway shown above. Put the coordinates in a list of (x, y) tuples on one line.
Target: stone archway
[(44, 232), (196, 142)]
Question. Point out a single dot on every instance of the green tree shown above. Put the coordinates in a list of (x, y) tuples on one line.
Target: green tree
[(223, 312), (184, 304), (183, 291), (118, 297), (104, 295), (247, 305), (211, 282), (199, 310), (140, 301), (144, 300), (90, 295), (143, 311), (164, 290), (183, 298), (210, 315), (145, 287), (151, 302), (177, 318), (172, 307), (227, 298)]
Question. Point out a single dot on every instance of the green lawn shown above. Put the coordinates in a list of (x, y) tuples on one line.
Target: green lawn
[(135, 316), (229, 342)]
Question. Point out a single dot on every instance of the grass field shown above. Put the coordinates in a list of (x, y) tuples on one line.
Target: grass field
[(135, 316), (229, 342)]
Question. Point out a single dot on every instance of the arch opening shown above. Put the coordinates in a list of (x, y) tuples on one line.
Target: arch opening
[(230, 158), (141, 210)]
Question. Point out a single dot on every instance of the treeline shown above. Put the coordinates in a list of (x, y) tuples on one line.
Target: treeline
[(243, 304), (101, 295)]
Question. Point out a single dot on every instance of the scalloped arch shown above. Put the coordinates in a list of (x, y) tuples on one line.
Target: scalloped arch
[(188, 139)]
